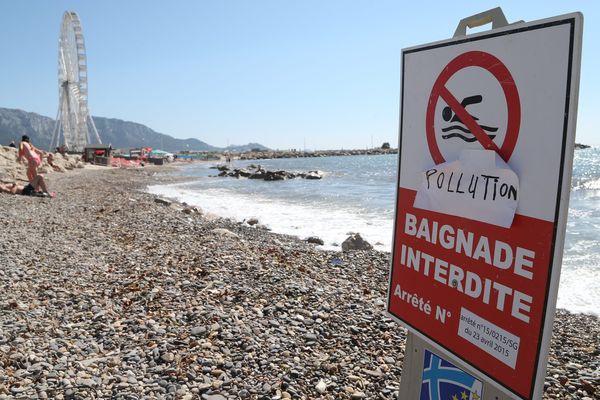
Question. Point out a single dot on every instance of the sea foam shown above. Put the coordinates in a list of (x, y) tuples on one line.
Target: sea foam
[(332, 225)]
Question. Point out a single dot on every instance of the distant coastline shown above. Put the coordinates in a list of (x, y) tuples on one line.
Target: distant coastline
[(268, 154)]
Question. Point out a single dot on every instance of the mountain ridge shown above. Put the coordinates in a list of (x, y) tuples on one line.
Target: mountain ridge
[(119, 133)]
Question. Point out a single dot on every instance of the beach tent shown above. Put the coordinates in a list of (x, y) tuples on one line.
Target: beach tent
[(161, 154)]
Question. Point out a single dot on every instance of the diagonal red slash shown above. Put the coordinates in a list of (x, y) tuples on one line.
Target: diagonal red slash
[(468, 120)]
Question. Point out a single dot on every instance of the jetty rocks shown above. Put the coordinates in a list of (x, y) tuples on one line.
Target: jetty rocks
[(258, 172), (271, 154)]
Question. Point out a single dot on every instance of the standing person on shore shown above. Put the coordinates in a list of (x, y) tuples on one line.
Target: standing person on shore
[(32, 154)]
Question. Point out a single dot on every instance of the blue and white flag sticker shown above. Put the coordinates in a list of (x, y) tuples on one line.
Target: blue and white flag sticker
[(442, 380)]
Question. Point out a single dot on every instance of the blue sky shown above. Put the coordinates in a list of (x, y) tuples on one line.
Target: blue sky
[(320, 73)]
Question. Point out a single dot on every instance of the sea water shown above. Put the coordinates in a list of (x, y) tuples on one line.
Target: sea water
[(357, 194)]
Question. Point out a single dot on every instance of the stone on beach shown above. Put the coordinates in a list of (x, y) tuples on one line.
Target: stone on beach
[(252, 221), (315, 240), (355, 242), (162, 201)]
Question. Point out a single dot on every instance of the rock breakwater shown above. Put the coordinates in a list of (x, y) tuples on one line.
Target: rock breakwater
[(269, 154), (258, 172)]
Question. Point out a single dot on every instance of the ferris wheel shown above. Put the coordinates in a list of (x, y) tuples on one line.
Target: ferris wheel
[(73, 121)]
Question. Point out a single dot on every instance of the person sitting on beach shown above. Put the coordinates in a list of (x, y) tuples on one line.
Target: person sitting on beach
[(37, 187), (32, 154)]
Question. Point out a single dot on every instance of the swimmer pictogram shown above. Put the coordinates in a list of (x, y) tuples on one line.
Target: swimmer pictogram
[(450, 116)]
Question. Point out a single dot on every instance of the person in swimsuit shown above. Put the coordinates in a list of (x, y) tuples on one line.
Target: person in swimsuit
[(37, 187), (32, 154)]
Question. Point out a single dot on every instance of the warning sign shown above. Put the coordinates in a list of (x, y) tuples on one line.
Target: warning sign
[(486, 146)]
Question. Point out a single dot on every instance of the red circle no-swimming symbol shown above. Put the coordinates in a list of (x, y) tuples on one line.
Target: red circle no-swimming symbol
[(495, 67)]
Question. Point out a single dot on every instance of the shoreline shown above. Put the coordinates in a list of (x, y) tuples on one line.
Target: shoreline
[(279, 216), (109, 293), (255, 213)]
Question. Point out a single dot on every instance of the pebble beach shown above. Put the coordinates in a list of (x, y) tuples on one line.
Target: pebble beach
[(111, 293)]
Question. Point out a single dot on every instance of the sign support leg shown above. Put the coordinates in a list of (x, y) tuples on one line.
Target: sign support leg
[(412, 371), (410, 383)]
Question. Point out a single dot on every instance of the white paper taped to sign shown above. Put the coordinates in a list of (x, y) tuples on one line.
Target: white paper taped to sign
[(479, 185)]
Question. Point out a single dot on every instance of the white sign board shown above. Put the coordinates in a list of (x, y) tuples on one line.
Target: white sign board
[(486, 149)]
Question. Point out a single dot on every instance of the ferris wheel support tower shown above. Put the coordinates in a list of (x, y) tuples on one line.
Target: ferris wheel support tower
[(74, 124)]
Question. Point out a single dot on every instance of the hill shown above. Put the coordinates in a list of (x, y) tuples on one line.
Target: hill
[(121, 134)]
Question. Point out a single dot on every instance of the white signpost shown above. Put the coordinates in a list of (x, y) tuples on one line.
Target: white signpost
[(487, 135)]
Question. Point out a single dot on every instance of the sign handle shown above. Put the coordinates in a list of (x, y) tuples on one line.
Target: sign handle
[(494, 15)]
